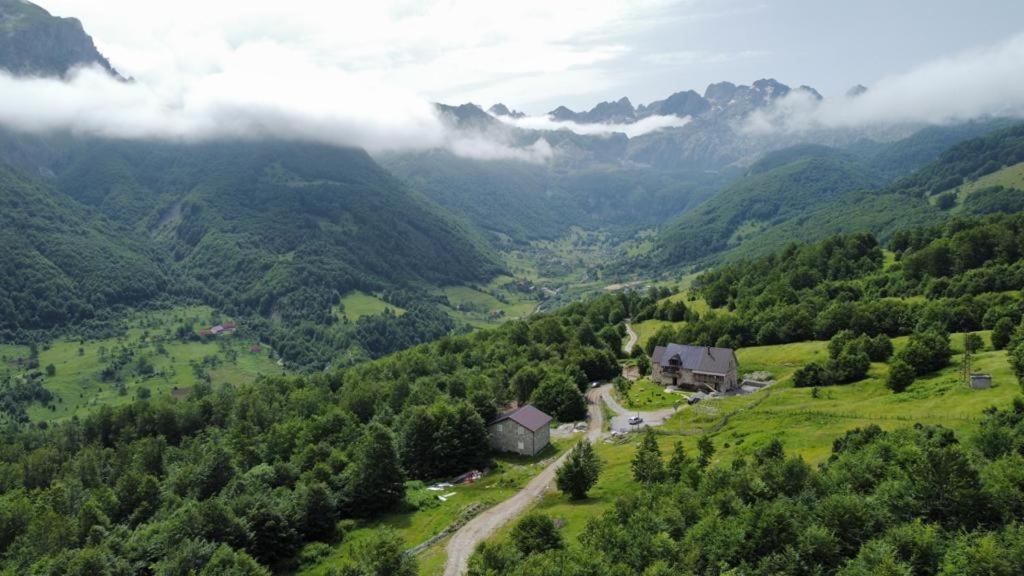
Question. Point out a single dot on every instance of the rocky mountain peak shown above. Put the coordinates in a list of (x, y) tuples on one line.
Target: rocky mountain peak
[(500, 109), (33, 42), (855, 91)]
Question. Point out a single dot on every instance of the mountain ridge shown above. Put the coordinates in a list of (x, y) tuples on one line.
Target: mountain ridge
[(33, 42)]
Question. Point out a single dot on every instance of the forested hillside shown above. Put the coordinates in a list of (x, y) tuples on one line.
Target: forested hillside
[(236, 480), (239, 479), (969, 270), (65, 264), (807, 192), (276, 232), (519, 201)]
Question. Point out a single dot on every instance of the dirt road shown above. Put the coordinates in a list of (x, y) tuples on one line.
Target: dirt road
[(628, 348), (463, 542), (620, 421)]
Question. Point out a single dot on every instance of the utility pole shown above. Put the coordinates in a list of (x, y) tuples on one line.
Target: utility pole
[(967, 367)]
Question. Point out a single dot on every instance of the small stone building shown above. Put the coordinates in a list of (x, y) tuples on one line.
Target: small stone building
[(981, 381), (704, 368), (523, 431)]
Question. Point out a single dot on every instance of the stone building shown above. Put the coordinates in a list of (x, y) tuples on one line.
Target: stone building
[(703, 368), (523, 431)]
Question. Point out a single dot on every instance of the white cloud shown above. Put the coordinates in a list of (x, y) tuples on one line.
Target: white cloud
[(973, 84), (343, 73), (642, 126), (444, 50)]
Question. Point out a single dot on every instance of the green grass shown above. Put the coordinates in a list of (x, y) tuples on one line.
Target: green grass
[(646, 395), (648, 328), (77, 385), (616, 479), (1008, 177), (805, 425), (357, 304), (480, 307), (511, 473)]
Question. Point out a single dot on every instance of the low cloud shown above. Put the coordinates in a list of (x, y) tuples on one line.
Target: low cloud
[(260, 92), (632, 130), (973, 84)]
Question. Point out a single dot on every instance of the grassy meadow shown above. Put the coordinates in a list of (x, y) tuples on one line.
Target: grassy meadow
[(355, 305), (79, 388)]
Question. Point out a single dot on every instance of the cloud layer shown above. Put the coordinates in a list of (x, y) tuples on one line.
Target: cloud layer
[(981, 82), (638, 128)]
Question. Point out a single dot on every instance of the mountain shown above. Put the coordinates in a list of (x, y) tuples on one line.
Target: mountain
[(63, 263), (515, 201), (500, 109), (35, 43), (257, 225), (723, 97), (809, 191), (717, 134), (783, 185)]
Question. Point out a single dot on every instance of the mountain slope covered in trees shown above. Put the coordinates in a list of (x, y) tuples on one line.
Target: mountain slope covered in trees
[(809, 191), (63, 263)]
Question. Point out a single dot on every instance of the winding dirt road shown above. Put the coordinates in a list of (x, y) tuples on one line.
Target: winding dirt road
[(628, 348), (463, 542), (480, 528)]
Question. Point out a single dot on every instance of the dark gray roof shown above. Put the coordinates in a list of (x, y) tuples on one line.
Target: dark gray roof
[(708, 359), (528, 416)]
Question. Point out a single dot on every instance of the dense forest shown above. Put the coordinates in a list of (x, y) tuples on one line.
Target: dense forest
[(272, 233), (812, 191), (237, 480)]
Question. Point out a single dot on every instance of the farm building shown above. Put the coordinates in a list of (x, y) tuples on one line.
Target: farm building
[(696, 367), (981, 381), (523, 431)]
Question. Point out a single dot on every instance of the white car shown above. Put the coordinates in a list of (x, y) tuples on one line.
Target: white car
[(636, 420)]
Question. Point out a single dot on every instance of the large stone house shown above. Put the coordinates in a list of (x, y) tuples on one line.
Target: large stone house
[(703, 368), (523, 431)]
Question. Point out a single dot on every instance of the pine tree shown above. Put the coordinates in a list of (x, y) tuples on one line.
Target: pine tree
[(579, 473), (707, 451), (680, 466), (647, 465)]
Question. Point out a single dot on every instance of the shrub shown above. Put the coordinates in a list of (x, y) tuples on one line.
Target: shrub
[(927, 351), (901, 375), (536, 533), (1002, 331), (973, 343), (813, 374), (879, 348)]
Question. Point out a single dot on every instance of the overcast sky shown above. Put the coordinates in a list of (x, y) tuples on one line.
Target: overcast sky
[(536, 54)]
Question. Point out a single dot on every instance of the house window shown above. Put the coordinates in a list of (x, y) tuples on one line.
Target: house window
[(501, 428), (519, 430)]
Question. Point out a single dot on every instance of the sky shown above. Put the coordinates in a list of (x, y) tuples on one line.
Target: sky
[(366, 74), (536, 54)]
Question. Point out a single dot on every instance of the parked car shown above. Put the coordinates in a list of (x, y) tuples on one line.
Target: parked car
[(635, 420), (595, 383), (696, 398)]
